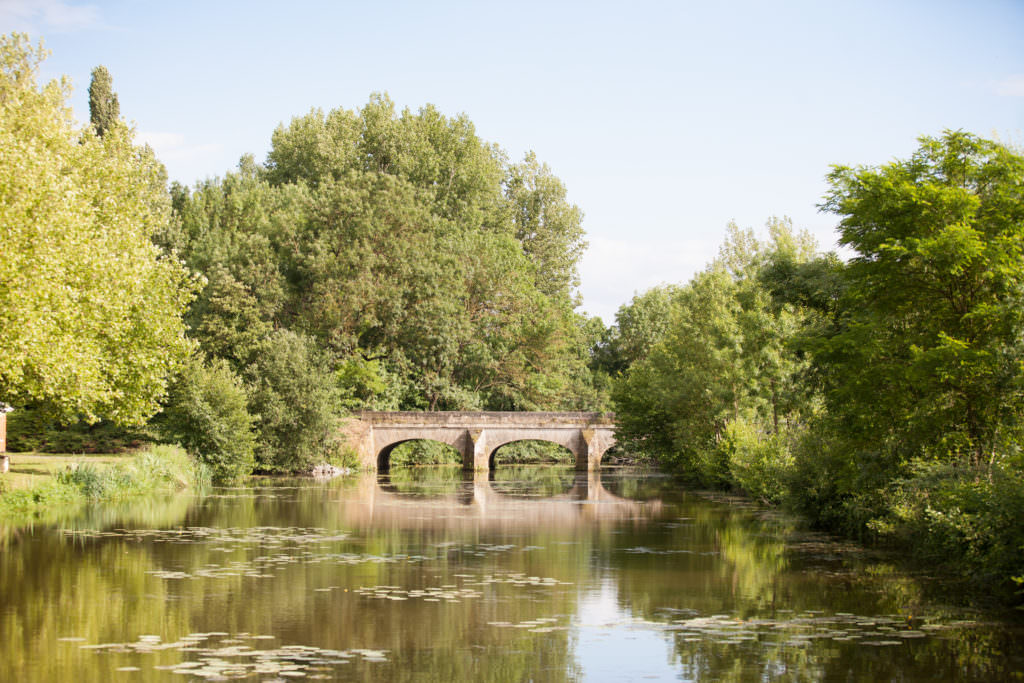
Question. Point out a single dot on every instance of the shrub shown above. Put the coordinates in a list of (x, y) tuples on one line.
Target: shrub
[(711, 465), (833, 485), (970, 517), (760, 464), (345, 456), (207, 414), (293, 393), (93, 483), (166, 465)]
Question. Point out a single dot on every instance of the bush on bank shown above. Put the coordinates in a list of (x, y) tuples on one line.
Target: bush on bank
[(207, 415)]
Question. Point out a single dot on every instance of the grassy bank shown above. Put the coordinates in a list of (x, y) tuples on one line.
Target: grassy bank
[(32, 469), (40, 485)]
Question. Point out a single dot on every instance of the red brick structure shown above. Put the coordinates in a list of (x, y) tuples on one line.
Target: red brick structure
[(5, 463)]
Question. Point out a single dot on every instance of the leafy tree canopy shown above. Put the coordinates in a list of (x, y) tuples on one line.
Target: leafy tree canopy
[(719, 358), (90, 312), (401, 243), (931, 312)]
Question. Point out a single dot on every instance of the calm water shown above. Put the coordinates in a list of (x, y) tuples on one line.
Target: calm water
[(428, 575)]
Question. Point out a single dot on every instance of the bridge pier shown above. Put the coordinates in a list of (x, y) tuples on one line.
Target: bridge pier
[(476, 456), (595, 443)]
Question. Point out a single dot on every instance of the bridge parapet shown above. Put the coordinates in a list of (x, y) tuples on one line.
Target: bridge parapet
[(478, 435), (487, 418)]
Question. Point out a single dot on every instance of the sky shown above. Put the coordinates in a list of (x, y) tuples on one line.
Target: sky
[(665, 120)]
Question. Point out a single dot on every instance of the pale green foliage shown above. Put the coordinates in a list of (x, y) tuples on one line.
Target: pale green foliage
[(90, 312), (157, 467), (440, 155), (367, 384), (549, 228), (639, 325), (760, 464)]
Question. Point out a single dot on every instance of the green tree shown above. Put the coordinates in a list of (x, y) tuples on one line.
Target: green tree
[(294, 398), (90, 311), (920, 359), (925, 357), (104, 109), (442, 156), (549, 228), (397, 238), (206, 413), (715, 390), (639, 325)]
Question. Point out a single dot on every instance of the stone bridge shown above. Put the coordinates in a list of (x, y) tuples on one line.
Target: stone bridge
[(478, 435)]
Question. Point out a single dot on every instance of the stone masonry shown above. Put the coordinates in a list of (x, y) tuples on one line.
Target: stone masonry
[(478, 435)]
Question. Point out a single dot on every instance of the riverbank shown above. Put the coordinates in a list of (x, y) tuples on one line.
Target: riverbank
[(962, 522), (40, 486)]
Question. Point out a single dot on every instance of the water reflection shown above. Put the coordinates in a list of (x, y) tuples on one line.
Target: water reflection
[(429, 574), (477, 501)]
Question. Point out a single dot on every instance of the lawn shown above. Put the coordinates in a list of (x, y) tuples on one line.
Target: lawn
[(29, 469)]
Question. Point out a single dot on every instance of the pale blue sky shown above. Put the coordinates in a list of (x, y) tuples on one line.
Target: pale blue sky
[(665, 120)]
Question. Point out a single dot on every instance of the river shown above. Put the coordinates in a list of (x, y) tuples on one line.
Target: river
[(427, 574)]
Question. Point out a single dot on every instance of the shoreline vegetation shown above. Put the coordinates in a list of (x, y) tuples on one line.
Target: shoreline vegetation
[(880, 396), (388, 259), (39, 488)]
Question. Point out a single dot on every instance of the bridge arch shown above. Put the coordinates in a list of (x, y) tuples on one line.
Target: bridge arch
[(385, 456), (566, 443)]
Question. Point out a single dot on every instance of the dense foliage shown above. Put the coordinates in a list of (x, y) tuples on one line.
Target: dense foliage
[(385, 260), (104, 109), (378, 259), (881, 397), (712, 388), (207, 415), (90, 310)]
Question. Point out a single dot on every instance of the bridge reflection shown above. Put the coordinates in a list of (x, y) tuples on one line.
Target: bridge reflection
[(476, 503)]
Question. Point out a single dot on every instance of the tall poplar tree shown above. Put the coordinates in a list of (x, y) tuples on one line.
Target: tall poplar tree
[(104, 109)]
